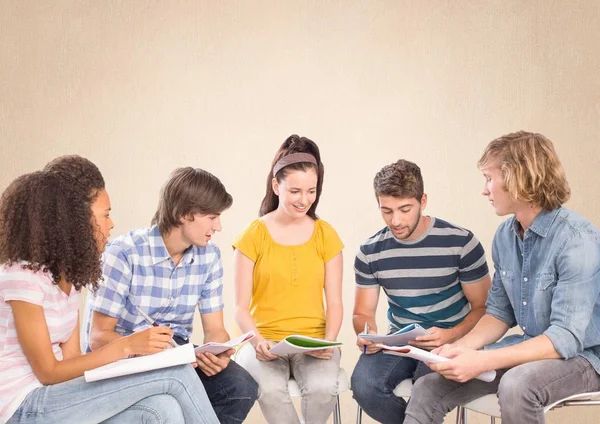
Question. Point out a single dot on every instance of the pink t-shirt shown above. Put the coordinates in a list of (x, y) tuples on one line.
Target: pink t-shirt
[(17, 379)]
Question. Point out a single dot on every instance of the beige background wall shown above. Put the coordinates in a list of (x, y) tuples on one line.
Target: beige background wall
[(142, 87)]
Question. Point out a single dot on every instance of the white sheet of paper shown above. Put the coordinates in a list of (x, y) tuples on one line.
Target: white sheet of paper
[(426, 356), (180, 355)]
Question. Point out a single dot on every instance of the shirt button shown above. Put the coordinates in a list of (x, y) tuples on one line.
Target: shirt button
[(525, 279), (524, 303), (503, 272), (523, 328)]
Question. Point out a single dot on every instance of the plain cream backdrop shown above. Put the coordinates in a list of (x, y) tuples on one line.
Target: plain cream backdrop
[(142, 87)]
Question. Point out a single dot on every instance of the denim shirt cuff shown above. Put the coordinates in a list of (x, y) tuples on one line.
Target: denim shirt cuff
[(501, 315), (564, 342)]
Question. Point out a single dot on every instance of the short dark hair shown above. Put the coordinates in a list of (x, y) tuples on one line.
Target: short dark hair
[(189, 191), (399, 179), (47, 222), (293, 144)]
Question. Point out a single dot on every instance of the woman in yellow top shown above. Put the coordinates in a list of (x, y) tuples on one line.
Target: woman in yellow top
[(283, 262)]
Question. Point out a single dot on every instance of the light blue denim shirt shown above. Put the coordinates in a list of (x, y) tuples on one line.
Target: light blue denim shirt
[(549, 283)]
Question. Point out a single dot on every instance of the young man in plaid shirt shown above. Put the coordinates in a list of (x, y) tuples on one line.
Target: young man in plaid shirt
[(165, 271)]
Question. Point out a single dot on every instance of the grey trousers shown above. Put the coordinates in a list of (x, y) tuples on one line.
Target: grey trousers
[(522, 391), (317, 379)]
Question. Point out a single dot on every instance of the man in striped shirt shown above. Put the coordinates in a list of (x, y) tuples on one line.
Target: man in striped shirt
[(433, 273)]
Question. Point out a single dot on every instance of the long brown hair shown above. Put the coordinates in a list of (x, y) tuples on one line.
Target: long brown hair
[(293, 144)]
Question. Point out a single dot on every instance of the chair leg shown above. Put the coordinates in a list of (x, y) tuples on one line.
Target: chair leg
[(337, 412), (358, 414), (461, 415)]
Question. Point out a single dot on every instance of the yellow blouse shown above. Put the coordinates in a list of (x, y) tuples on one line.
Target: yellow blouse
[(287, 293)]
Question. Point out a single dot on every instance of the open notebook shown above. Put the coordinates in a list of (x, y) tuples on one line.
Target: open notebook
[(217, 348), (301, 344), (400, 337), (426, 356), (180, 355)]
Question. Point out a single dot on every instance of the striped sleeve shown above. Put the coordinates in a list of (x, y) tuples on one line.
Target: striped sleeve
[(22, 286), (362, 270), (473, 265)]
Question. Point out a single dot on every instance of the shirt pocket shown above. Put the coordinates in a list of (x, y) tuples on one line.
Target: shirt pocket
[(545, 280), (507, 277)]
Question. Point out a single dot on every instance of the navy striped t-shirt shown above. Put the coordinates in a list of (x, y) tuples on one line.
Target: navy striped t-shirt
[(422, 278)]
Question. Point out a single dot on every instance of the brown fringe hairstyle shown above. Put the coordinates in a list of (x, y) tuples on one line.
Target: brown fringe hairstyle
[(293, 144), (187, 192), (399, 179), (46, 221), (531, 169)]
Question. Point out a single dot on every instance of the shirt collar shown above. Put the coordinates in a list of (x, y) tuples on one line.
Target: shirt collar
[(159, 251), (541, 224)]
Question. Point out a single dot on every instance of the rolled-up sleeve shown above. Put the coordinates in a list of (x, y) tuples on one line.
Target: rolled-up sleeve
[(576, 293), (498, 303)]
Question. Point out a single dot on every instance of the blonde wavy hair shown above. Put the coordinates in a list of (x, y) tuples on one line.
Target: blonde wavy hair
[(531, 169)]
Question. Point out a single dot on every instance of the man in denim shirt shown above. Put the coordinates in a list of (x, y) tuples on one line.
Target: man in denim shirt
[(546, 281)]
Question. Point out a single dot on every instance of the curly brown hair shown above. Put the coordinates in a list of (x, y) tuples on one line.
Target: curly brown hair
[(79, 171), (399, 179), (46, 222)]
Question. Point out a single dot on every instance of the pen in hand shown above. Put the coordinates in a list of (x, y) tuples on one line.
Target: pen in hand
[(152, 322)]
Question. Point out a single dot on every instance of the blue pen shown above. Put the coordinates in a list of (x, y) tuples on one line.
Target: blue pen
[(365, 331)]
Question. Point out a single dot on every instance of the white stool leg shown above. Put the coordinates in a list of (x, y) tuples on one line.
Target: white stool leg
[(358, 414), (337, 412)]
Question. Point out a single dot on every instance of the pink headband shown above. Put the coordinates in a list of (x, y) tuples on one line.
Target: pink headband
[(292, 159)]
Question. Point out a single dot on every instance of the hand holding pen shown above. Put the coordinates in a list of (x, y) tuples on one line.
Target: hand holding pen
[(366, 346), (154, 324)]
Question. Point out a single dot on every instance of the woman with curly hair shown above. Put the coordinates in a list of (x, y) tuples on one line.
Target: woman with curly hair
[(54, 225)]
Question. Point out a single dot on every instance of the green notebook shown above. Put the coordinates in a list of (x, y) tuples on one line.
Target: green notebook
[(300, 344)]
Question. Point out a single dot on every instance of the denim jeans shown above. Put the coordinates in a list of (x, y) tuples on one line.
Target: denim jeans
[(169, 395), (232, 392), (374, 379), (317, 379), (523, 391)]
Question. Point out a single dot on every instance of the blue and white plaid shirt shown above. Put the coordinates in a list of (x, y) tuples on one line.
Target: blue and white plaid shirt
[(138, 271)]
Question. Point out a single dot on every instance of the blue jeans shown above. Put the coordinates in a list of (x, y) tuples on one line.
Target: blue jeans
[(374, 379), (232, 392), (169, 395)]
